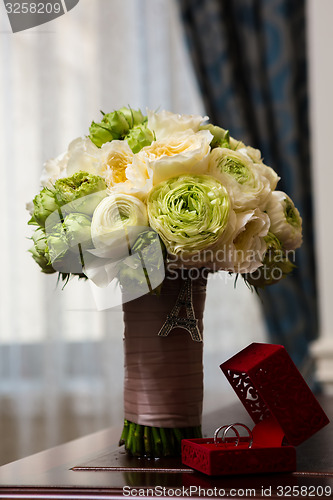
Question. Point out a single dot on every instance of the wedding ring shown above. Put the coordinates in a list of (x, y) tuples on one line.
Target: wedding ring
[(226, 429), (245, 427)]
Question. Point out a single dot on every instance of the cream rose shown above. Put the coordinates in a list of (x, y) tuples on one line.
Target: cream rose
[(165, 123), (182, 153), (81, 155), (123, 171), (246, 247), (54, 169)]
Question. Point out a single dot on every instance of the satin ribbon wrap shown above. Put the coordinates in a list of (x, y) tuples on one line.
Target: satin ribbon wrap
[(163, 384)]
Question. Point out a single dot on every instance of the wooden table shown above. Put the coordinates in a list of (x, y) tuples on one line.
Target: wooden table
[(94, 467)]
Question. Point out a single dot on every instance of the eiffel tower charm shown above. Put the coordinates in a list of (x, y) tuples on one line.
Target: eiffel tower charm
[(189, 323)]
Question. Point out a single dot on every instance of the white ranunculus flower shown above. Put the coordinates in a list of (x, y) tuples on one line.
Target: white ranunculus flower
[(246, 182), (244, 252), (181, 153), (286, 222), (235, 144), (255, 156), (165, 123), (116, 223)]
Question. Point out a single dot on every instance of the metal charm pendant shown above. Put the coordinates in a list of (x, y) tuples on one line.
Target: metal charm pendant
[(189, 322)]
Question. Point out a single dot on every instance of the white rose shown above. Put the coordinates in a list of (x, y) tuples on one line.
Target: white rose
[(54, 169), (286, 222), (244, 252), (181, 153), (165, 123), (247, 183), (82, 156), (117, 221)]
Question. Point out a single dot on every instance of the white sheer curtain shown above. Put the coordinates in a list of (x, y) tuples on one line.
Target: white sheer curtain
[(56, 351)]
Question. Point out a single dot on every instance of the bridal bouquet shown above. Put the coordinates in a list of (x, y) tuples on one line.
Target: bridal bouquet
[(142, 195), (206, 198)]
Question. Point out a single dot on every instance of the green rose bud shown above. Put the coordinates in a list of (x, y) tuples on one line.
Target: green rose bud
[(276, 265), (67, 242), (78, 231), (117, 123), (43, 263), (40, 243), (132, 117), (221, 137), (144, 269), (45, 203), (100, 133), (40, 251), (57, 242), (81, 192), (138, 137), (113, 126)]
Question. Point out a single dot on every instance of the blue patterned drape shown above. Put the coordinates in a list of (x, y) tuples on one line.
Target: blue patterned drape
[(250, 61)]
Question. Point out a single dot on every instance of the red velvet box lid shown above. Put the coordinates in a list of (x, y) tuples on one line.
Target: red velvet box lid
[(271, 388)]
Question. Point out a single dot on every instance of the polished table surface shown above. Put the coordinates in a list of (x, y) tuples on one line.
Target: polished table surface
[(94, 467)]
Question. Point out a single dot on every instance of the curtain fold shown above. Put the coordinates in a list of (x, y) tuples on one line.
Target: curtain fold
[(250, 60)]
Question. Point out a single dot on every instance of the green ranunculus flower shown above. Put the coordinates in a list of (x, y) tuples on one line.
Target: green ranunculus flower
[(45, 204), (40, 251), (221, 138), (286, 221), (139, 137), (132, 116), (81, 193), (189, 212), (276, 265)]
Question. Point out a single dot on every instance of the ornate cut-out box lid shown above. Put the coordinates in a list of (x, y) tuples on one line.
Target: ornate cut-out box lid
[(285, 412), (269, 385)]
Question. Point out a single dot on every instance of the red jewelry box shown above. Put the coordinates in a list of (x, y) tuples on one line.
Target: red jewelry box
[(282, 406)]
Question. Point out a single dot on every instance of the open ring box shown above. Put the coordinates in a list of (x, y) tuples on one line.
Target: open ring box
[(280, 403)]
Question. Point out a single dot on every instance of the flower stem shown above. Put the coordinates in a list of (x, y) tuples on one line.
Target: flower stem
[(155, 442)]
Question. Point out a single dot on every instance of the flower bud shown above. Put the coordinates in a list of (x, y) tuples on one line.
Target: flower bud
[(40, 252), (139, 137), (144, 270), (67, 242), (132, 116), (45, 203), (276, 265), (220, 136), (113, 126)]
